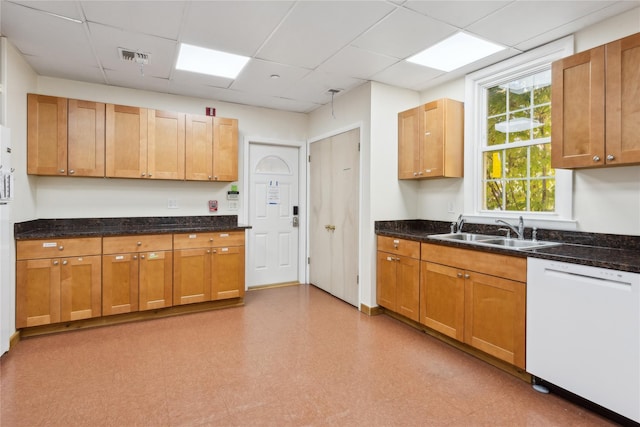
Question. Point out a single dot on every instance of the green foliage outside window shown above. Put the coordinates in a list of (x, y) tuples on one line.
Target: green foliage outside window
[(517, 155)]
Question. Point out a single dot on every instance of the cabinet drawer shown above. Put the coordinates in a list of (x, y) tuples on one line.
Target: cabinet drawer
[(397, 246), (193, 240), (55, 248), (228, 238), (508, 267), (142, 243)]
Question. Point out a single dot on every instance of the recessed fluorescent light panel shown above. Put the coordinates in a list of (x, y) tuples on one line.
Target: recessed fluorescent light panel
[(212, 62), (456, 51)]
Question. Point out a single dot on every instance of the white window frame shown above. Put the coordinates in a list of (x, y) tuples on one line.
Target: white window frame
[(475, 85)]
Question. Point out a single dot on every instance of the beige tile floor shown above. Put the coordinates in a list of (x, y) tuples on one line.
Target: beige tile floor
[(292, 356)]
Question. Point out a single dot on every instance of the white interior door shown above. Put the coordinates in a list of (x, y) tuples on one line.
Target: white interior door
[(333, 224), (274, 237)]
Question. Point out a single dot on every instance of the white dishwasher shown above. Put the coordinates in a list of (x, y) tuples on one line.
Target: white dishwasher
[(583, 332)]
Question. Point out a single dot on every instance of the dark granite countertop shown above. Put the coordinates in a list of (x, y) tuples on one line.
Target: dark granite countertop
[(96, 227), (618, 252)]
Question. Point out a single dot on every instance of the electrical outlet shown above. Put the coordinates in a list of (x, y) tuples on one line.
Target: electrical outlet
[(233, 205), (172, 204), (450, 207)]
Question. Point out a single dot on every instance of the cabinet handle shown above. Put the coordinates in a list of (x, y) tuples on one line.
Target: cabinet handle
[(208, 251), (215, 178), (420, 173), (60, 248), (72, 171), (150, 175), (144, 174), (466, 276), (415, 174), (611, 157), (55, 262), (459, 274), (139, 243), (210, 177), (141, 256), (211, 239), (135, 257), (596, 158), (65, 262), (61, 171)]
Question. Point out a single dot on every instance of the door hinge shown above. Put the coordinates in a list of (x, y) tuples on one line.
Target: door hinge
[(358, 146), (357, 279), (308, 260), (309, 158)]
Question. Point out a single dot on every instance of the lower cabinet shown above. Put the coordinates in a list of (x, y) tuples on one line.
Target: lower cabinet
[(136, 273), (477, 298), (398, 276), (208, 266), (57, 280)]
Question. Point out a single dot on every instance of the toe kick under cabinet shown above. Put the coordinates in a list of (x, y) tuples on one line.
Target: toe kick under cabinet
[(68, 279)]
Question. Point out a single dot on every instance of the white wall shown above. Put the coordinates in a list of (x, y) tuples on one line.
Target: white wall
[(605, 200), (64, 197)]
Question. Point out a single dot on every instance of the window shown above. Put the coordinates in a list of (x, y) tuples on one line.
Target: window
[(508, 139)]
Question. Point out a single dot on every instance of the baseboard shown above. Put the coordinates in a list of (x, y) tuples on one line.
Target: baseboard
[(14, 340), (371, 311), (274, 285)]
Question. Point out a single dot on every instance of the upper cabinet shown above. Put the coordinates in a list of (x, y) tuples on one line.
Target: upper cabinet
[(211, 149), (65, 136), (596, 106), (46, 135), (84, 138), (431, 140)]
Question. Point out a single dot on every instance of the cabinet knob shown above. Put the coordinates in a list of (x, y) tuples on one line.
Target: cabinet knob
[(210, 177), (215, 178), (139, 243), (61, 171), (466, 276), (144, 174), (459, 274), (611, 157), (596, 158), (65, 262), (72, 171), (55, 262), (211, 239), (60, 248), (141, 256), (208, 251), (415, 174), (420, 173), (135, 257), (150, 175)]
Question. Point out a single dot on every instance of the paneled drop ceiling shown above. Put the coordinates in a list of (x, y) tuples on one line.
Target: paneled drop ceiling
[(313, 46)]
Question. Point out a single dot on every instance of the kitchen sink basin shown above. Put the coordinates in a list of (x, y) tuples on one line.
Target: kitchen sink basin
[(493, 241)]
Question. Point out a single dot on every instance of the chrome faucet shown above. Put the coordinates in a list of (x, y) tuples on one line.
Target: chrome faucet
[(519, 231), (459, 224)]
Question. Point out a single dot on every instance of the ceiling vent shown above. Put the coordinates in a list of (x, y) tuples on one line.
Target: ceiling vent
[(133, 56)]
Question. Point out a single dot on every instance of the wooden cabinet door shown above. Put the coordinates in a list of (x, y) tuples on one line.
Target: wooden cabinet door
[(623, 101), (191, 276), (165, 145), (156, 280), (126, 141), (119, 283), (495, 317), (227, 272), (80, 288), (408, 287), (409, 143), (577, 110), (386, 280), (225, 149), (86, 138), (199, 148), (46, 135), (442, 299), (37, 292), (432, 139)]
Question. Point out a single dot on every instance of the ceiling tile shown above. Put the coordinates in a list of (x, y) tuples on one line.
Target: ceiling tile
[(189, 78), (239, 27), (506, 25), (256, 77), (403, 33), (314, 87), (158, 18), (357, 62), (457, 13), (46, 36), (146, 82), (315, 30), (407, 75), (68, 9), (69, 71)]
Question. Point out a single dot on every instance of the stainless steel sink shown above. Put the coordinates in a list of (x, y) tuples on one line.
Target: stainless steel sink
[(493, 241)]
